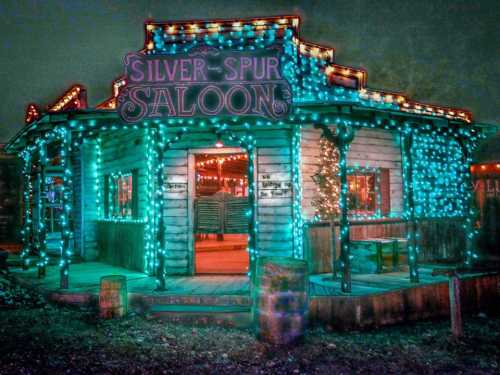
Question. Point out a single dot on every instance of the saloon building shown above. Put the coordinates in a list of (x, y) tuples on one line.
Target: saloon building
[(227, 140)]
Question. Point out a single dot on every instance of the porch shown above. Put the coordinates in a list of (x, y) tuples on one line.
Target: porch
[(375, 300), (85, 278)]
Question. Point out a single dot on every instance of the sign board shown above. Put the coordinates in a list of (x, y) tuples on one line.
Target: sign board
[(205, 82), (271, 187), (176, 187)]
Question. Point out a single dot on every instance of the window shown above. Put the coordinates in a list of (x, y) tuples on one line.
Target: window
[(121, 201), (362, 193), (369, 191)]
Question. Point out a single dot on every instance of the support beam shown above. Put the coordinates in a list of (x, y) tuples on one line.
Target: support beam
[(411, 225), (298, 223), (66, 214), (345, 241), (42, 230), (252, 220), (342, 139), (27, 219), (160, 234)]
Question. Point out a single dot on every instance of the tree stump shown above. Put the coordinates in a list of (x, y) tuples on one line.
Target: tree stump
[(280, 306), (113, 297)]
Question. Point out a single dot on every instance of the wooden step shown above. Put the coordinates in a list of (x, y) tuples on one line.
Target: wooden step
[(226, 316), (199, 308), (201, 300)]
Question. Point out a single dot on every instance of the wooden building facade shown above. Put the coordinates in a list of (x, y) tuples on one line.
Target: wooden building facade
[(101, 184)]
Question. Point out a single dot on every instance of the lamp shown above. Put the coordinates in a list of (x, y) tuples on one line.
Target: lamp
[(218, 142)]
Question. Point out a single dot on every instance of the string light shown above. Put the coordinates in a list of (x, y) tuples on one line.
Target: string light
[(32, 114), (74, 98), (327, 181)]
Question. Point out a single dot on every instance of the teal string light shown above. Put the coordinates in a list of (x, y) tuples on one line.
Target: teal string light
[(27, 189), (298, 222), (97, 178)]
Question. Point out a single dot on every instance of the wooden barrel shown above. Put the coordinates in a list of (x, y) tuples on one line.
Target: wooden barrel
[(113, 298), (280, 300)]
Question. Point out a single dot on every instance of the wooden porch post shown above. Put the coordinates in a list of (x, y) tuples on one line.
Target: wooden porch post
[(252, 229), (26, 232), (42, 230), (66, 202), (160, 235), (411, 225), (342, 140), (345, 241)]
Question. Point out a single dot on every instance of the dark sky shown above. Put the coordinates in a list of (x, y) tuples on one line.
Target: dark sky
[(444, 52)]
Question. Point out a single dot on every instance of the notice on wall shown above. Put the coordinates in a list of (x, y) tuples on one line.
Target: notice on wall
[(205, 81), (176, 187), (270, 186)]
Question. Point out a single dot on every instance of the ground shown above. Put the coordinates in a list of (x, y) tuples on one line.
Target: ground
[(37, 337)]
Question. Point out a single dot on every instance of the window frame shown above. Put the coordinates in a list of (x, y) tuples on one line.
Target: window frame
[(381, 191), (110, 210)]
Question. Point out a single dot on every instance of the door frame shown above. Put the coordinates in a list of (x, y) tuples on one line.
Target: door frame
[(192, 152)]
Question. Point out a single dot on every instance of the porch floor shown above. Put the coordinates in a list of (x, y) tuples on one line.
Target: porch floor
[(85, 278)]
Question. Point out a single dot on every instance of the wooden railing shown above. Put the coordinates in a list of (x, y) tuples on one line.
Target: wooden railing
[(439, 240), (121, 244)]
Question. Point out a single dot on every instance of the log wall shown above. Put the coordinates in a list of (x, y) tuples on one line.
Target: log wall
[(121, 151), (77, 211), (121, 244), (88, 201)]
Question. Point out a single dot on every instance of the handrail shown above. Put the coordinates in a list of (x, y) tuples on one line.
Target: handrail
[(382, 221)]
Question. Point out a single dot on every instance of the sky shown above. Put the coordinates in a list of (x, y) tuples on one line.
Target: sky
[(443, 52)]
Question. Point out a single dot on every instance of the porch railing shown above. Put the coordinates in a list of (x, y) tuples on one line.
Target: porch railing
[(439, 240)]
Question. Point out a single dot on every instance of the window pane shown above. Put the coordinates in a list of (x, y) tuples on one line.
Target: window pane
[(120, 196), (361, 197)]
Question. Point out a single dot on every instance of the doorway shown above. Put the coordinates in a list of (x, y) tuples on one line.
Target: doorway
[(220, 212)]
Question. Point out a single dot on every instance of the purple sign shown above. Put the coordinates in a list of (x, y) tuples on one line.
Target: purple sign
[(204, 82)]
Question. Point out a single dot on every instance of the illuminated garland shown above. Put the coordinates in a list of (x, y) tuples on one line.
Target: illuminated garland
[(439, 176), (149, 230), (27, 189), (327, 181), (298, 223), (65, 248), (43, 260), (158, 208), (97, 172), (345, 136)]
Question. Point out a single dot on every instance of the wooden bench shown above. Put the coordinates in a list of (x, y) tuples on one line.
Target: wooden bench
[(368, 254)]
